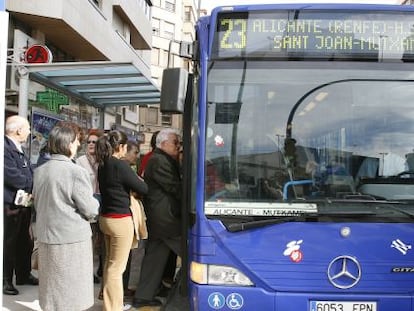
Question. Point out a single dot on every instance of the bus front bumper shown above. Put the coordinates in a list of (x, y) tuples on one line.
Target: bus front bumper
[(205, 298)]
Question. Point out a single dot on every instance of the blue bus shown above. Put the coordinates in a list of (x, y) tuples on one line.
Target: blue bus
[(299, 158)]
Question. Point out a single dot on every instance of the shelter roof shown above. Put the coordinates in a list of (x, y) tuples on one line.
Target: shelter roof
[(99, 84)]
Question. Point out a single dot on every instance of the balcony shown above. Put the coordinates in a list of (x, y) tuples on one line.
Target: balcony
[(84, 30)]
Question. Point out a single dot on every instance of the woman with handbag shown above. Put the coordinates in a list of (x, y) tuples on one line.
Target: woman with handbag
[(116, 182), (64, 203)]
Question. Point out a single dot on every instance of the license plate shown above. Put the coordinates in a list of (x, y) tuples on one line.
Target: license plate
[(343, 306)]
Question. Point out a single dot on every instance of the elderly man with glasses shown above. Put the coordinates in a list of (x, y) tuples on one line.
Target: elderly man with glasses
[(163, 207)]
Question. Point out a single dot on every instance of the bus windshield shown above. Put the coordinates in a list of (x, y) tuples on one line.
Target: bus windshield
[(309, 131)]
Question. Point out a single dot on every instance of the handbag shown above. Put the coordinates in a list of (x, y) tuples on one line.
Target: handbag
[(35, 256), (23, 198), (139, 218)]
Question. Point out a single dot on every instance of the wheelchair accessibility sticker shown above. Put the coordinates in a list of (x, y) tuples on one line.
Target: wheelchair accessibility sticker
[(234, 301)]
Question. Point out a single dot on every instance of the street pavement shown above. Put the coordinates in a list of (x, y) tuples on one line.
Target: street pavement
[(28, 298)]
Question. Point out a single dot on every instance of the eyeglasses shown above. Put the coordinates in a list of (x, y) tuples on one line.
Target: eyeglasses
[(175, 142), (91, 142)]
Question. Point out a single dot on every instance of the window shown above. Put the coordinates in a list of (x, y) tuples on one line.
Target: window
[(146, 6), (152, 115), (187, 14), (169, 31), (170, 5), (164, 58), (121, 27), (148, 11), (155, 27), (166, 119), (59, 55), (155, 56), (132, 108)]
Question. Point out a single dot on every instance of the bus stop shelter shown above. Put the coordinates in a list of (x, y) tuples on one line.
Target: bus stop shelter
[(99, 84)]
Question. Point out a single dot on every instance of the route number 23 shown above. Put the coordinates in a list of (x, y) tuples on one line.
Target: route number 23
[(235, 35)]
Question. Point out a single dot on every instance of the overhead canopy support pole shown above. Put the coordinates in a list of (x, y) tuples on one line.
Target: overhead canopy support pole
[(102, 117), (23, 91)]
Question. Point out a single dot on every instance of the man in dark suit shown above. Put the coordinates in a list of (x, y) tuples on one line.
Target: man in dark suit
[(18, 175), (163, 206)]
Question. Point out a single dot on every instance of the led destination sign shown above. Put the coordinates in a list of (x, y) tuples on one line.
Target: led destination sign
[(322, 34)]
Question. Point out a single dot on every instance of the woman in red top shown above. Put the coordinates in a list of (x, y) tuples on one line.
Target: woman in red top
[(148, 155)]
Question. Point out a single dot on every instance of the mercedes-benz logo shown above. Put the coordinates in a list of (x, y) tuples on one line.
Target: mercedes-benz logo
[(344, 272)]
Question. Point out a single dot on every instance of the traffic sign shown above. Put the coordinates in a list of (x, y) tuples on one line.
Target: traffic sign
[(38, 54)]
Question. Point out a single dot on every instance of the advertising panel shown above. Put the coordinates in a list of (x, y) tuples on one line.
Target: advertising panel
[(42, 122)]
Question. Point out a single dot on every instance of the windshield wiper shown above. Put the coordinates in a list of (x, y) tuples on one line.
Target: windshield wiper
[(400, 210), (380, 203), (242, 226)]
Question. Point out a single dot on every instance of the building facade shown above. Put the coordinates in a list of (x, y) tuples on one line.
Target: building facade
[(172, 22), (145, 33), (78, 32)]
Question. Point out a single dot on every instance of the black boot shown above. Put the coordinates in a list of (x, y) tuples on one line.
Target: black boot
[(30, 280), (8, 288), (99, 271)]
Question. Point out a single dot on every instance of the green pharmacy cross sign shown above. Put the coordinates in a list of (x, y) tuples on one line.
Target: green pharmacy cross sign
[(52, 99)]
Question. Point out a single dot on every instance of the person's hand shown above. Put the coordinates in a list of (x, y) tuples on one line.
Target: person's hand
[(231, 187), (31, 231), (311, 167), (272, 191)]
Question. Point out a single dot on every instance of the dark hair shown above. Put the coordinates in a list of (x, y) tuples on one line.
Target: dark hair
[(154, 140), (78, 130), (108, 144), (94, 132), (131, 145), (60, 138)]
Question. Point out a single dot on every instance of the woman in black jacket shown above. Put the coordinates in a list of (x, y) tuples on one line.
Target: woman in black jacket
[(116, 182)]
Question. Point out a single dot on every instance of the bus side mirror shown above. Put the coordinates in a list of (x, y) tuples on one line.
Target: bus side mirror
[(173, 90)]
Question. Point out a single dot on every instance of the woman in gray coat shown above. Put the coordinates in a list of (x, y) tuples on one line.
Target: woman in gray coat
[(64, 204)]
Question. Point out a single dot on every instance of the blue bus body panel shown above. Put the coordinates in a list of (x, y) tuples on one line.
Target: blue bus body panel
[(263, 255), (282, 276)]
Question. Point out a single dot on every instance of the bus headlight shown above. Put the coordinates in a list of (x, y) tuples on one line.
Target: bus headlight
[(217, 275)]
